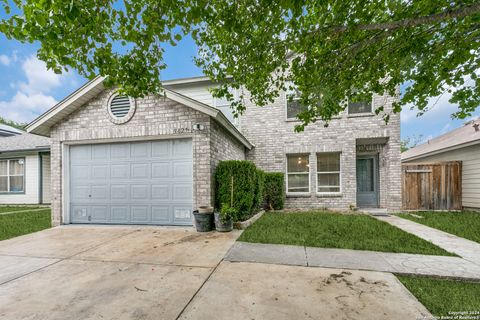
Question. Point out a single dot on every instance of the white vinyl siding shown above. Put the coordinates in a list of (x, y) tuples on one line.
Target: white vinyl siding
[(470, 171), (31, 192), (196, 91)]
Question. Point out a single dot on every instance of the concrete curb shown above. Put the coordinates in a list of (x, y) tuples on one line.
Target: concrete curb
[(242, 225)]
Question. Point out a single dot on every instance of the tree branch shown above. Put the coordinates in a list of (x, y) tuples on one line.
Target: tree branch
[(392, 25)]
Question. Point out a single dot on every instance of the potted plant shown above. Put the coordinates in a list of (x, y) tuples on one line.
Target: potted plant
[(203, 218), (224, 218)]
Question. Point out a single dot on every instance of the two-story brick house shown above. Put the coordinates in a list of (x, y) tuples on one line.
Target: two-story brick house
[(152, 160)]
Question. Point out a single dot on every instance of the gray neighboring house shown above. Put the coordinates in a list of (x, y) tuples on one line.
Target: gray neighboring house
[(25, 169), (462, 144), (152, 160), (8, 131)]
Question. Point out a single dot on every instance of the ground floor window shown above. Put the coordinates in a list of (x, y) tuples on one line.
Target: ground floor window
[(298, 173), (328, 172), (12, 175)]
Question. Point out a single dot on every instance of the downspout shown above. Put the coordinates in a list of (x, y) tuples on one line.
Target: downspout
[(40, 178)]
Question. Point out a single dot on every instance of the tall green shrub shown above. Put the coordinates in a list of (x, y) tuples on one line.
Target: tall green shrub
[(258, 202), (245, 180), (274, 190)]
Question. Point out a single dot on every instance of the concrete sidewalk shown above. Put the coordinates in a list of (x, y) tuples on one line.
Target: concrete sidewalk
[(439, 266), (467, 249)]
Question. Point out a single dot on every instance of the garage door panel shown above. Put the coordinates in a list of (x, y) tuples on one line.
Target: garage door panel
[(161, 192), (161, 170), (79, 154), (100, 152), (140, 149), (100, 171), (161, 214), (132, 183), (120, 171), (80, 213), (182, 169), (79, 172), (120, 214), (140, 214), (99, 214), (140, 170), (139, 192), (81, 193), (182, 192), (120, 151), (100, 192), (119, 192), (182, 214), (161, 149), (182, 149)]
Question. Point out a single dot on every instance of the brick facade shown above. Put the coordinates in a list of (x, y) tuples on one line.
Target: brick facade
[(155, 117), (274, 137)]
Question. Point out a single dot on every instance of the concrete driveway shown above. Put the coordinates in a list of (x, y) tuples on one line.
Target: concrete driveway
[(83, 272)]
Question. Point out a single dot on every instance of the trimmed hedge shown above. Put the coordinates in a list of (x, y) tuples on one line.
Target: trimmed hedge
[(247, 187), (273, 192)]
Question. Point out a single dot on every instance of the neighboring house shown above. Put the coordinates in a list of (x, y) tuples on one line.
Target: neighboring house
[(462, 144), (152, 160), (25, 169), (8, 131)]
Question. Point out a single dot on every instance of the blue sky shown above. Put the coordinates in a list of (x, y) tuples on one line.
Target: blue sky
[(28, 89)]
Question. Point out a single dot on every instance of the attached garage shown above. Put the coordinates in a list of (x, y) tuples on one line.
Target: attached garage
[(147, 182)]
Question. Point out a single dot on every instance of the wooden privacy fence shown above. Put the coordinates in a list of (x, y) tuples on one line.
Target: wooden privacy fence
[(432, 186)]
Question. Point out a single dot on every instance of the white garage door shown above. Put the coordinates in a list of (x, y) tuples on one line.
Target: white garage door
[(148, 182)]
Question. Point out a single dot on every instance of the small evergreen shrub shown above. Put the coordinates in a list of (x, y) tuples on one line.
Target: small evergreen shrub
[(274, 192), (247, 187)]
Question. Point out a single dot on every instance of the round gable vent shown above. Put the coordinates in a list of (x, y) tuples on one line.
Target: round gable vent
[(120, 108)]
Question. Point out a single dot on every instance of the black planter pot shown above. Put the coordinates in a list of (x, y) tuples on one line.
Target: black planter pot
[(223, 226), (203, 221)]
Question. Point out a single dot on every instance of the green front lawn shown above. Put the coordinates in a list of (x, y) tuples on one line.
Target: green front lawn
[(333, 230), (16, 208), (463, 224), (445, 297), (17, 224)]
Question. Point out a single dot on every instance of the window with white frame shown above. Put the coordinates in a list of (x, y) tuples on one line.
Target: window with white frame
[(298, 173), (12, 175), (294, 107), (359, 103), (224, 105), (328, 172)]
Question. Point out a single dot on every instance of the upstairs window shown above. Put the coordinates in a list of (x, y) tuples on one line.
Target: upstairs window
[(328, 172), (298, 173), (294, 107), (359, 104), (12, 175)]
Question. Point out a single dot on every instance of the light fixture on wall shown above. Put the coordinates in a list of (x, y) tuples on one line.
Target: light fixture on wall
[(198, 127)]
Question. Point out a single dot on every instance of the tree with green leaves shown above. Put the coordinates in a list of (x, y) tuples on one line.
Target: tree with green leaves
[(329, 51)]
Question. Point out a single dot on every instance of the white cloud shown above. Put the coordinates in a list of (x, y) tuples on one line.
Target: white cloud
[(33, 96), (5, 60), (25, 107), (439, 109), (39, 79)]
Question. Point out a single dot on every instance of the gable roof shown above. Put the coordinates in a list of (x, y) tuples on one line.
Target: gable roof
[(24, 142), (464, 136), (77, 99)]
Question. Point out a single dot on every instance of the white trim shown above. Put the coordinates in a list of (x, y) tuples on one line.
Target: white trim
[(185, 80), (289, 193), (65, 183)]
